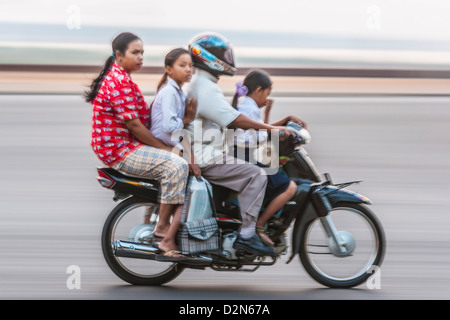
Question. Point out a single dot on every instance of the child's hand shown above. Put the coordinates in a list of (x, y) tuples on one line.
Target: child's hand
[(190, 111), (299, 121), (268, 107)]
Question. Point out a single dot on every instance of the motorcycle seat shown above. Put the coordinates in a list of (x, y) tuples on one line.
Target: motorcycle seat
[(119, 176)]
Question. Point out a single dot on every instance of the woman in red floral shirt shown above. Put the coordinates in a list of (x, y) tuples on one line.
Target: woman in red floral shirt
[(121, 138)]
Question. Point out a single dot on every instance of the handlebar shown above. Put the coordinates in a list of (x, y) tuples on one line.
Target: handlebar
[(301, 135)]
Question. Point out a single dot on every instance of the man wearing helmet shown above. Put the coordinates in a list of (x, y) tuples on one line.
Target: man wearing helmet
[(213, 56)]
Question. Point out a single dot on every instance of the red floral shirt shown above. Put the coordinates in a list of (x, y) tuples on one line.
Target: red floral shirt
[(118, 99)]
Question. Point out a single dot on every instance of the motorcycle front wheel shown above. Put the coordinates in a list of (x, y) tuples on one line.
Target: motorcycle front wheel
[(363, 236), (125, 223)]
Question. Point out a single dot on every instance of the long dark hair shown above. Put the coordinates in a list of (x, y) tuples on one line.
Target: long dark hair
[(169, 60), (120, 43), (253, 80)]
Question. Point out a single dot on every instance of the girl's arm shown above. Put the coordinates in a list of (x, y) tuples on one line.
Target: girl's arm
[(293, 118), (281, 122), (170, 120), (245, 122)]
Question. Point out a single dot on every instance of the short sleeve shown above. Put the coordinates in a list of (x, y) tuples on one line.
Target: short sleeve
[(216, 108)]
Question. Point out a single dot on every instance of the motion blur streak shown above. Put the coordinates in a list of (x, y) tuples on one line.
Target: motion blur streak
[(53, 208)]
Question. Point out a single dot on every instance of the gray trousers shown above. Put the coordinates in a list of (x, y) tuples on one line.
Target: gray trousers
[(248, 180)]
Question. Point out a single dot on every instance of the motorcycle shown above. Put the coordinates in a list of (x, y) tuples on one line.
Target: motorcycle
[(338, 239)]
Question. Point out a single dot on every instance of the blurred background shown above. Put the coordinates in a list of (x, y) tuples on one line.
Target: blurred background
[(339, 41), (371, 79)]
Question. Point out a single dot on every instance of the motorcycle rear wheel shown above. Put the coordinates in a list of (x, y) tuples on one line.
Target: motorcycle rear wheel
[(121, 222), (357, 225)]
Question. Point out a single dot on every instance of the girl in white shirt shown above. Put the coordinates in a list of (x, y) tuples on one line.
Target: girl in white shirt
[(171, 111), (255, 90)]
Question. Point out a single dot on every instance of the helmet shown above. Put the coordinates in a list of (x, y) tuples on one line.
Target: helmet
[(213, 53)]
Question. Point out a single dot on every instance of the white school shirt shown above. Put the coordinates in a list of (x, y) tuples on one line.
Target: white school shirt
[(167, 114), (214, 113), (249, 138)]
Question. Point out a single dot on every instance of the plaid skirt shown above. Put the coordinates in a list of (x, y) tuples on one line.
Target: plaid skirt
[(170, 170)]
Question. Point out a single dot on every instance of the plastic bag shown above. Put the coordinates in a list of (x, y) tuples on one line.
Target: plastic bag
[(199, 197)]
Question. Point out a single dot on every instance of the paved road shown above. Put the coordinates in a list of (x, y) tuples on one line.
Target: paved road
[(52, 208)]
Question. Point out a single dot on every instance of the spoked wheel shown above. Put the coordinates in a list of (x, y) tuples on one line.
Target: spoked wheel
[(125, 223), (361, 249)]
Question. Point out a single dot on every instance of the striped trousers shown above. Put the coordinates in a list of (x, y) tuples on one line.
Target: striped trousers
[(170, 170)]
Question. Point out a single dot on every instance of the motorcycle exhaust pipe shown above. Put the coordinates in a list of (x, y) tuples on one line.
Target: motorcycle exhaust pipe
[(128, 249), (134, 250)]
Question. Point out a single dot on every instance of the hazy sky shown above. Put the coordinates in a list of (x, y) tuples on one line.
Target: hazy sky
[(412, 19)]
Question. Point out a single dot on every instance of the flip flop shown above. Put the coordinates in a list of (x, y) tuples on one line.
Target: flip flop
[(170, 256), (173, 254), (153, 239), (157, 238), (158, 235)]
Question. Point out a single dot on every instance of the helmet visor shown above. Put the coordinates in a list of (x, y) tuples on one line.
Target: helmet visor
[(213, 62), (228, 57)]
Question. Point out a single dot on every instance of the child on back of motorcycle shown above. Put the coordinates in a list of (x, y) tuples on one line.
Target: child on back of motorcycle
[(171, 111), (255, 90)]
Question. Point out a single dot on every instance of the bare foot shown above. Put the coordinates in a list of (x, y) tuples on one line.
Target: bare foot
[(161, 231), (173, 254), (169, 248)]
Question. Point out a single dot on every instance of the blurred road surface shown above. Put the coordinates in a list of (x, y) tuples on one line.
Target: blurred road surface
[(70, 82), (52, 208)]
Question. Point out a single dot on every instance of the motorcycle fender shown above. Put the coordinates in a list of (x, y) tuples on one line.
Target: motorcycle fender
[(340, 195), (127, 185)]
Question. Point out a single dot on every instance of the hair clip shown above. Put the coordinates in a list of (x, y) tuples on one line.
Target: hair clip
[(241, 89)]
